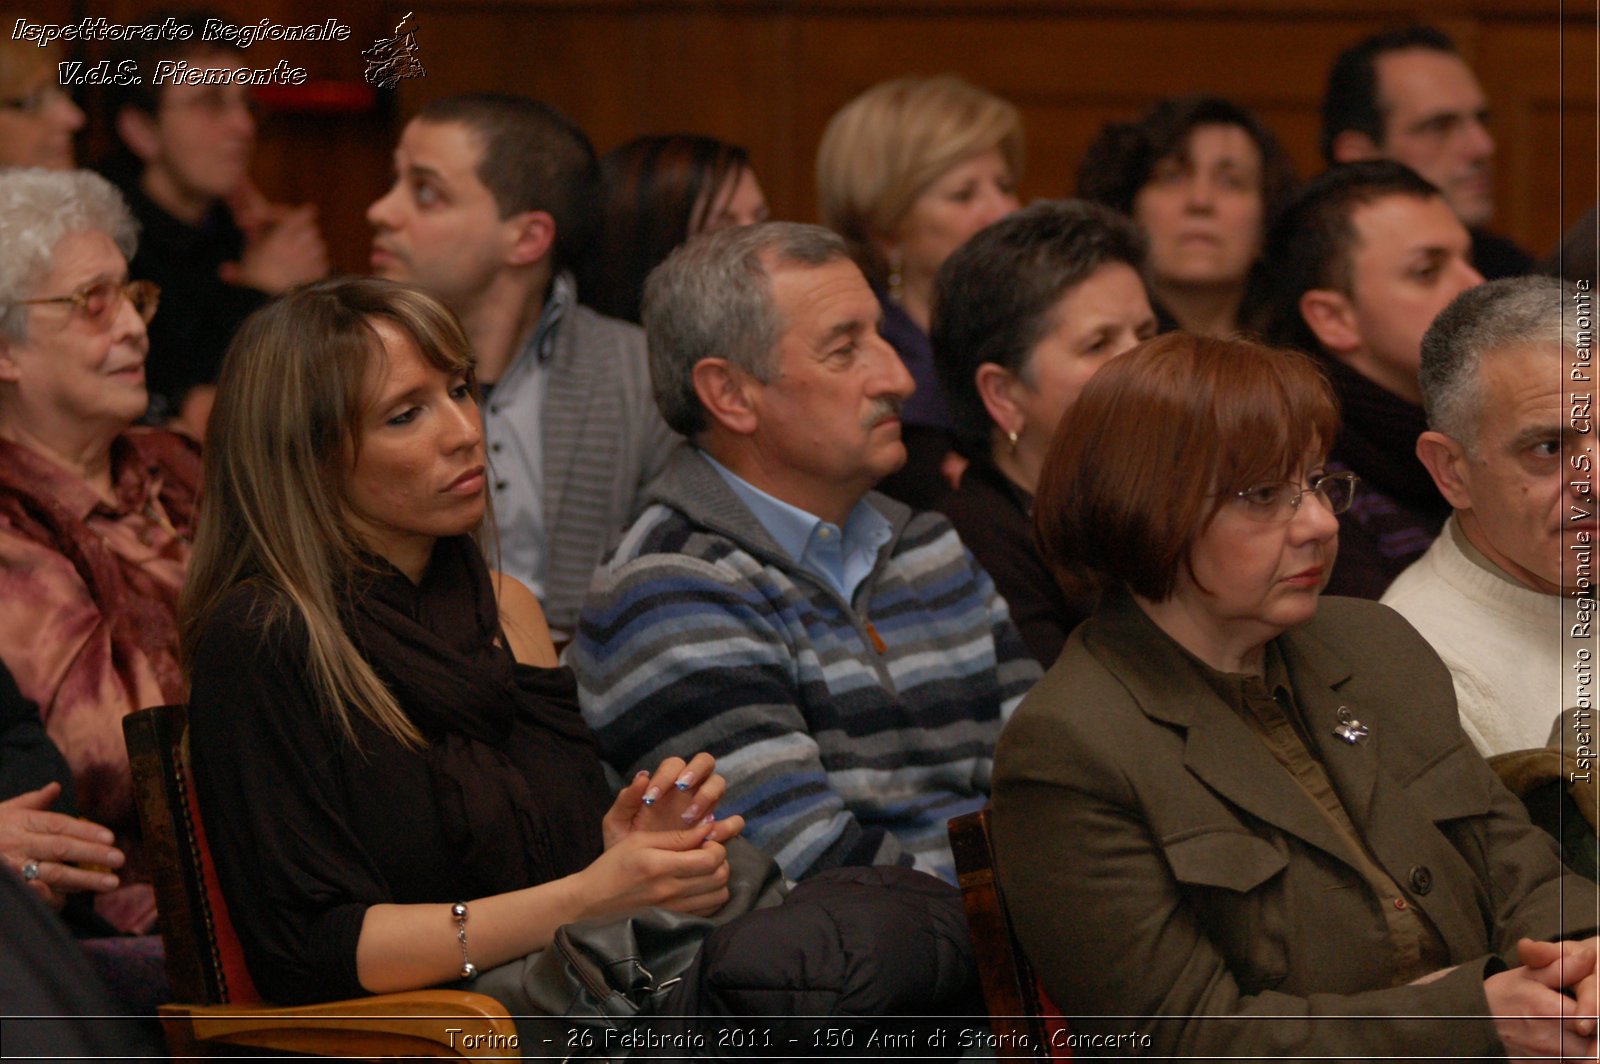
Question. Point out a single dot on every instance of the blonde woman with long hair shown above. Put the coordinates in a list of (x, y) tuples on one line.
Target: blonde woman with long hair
[(382, 741)]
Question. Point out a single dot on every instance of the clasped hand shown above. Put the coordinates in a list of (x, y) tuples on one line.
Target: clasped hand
[(677, 795), (664, 843), (1547, 1007)]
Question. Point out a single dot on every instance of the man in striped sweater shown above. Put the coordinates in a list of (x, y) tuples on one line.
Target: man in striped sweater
[(844, 658)]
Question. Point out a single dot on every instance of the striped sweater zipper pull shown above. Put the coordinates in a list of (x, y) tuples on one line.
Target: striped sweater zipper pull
[(877, 640)]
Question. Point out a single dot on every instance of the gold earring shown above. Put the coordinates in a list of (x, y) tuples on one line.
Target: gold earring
[(1013, 437), (897, 284)]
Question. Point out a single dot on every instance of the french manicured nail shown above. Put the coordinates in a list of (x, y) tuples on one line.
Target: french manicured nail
[(691, 814), (685, 781), (651, 795)]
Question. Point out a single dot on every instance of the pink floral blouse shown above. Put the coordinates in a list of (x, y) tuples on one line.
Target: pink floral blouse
[(88, 602)]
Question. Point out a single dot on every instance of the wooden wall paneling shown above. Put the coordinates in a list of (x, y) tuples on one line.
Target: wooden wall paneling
[(1391, 11), (570, 58), (1578, 142), (1541, 85), (745, 89), (1580, 163), (1561, 183), (1518, 70), (1386, 10), (769, 73), (625, 74)]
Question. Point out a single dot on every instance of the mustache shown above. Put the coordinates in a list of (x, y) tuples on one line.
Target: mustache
[(883, 408)]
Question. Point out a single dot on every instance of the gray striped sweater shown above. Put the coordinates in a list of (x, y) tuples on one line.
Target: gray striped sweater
[(849, 733)]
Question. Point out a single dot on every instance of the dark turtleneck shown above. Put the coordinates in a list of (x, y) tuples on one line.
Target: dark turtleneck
[(1398, 511)]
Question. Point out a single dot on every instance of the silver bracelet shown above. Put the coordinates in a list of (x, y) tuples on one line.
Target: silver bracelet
[(459, 911)]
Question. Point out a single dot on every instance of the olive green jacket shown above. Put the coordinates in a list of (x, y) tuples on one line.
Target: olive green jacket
[(1166, 874)]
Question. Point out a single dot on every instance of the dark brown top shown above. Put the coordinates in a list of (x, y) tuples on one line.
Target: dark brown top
[(994, 519), (1267, 707)]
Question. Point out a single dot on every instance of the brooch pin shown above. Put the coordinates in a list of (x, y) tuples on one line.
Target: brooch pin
[(1349, 728)]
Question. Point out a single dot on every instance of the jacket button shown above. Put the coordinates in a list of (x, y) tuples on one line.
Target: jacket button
[(1399, 903), (1421, 879)]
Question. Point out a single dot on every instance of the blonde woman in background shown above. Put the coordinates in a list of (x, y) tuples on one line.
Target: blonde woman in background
[(37, 116), (906, 173)]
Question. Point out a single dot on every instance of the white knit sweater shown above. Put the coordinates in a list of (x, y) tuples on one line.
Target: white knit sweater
[(1511, 650)]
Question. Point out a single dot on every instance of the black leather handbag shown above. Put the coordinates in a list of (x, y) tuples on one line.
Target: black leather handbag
[(586, 992)]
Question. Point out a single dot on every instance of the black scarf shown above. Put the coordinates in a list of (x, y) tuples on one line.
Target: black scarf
[(516, 777)]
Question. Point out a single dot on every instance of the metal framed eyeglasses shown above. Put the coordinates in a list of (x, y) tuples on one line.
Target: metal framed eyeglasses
[(99, 302), (1279, 500)]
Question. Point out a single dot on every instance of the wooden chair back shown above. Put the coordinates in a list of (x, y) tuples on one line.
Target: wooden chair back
[(1021, 1015), (218, 1009), (205, 963)]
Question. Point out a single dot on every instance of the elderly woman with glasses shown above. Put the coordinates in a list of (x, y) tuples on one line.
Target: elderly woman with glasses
[(94, 515), (1237, 821)]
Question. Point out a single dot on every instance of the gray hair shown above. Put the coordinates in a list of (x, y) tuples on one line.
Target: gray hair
[(712, 298), (37, 209), (1512, 312)]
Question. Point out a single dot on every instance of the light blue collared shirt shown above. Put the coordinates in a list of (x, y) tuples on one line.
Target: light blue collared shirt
[(840, 558), (512, 427)]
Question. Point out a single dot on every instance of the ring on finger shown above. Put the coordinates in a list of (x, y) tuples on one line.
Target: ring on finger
[(30, 871)]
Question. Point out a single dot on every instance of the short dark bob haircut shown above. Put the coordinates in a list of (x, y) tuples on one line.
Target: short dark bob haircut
[(996, 297), (1159, 440)]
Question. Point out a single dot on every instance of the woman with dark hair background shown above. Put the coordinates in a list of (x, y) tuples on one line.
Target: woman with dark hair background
[(1205, 179), (1025, 313), (657, 192)]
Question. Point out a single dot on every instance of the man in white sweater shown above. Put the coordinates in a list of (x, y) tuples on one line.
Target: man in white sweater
[(1505, 594)]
